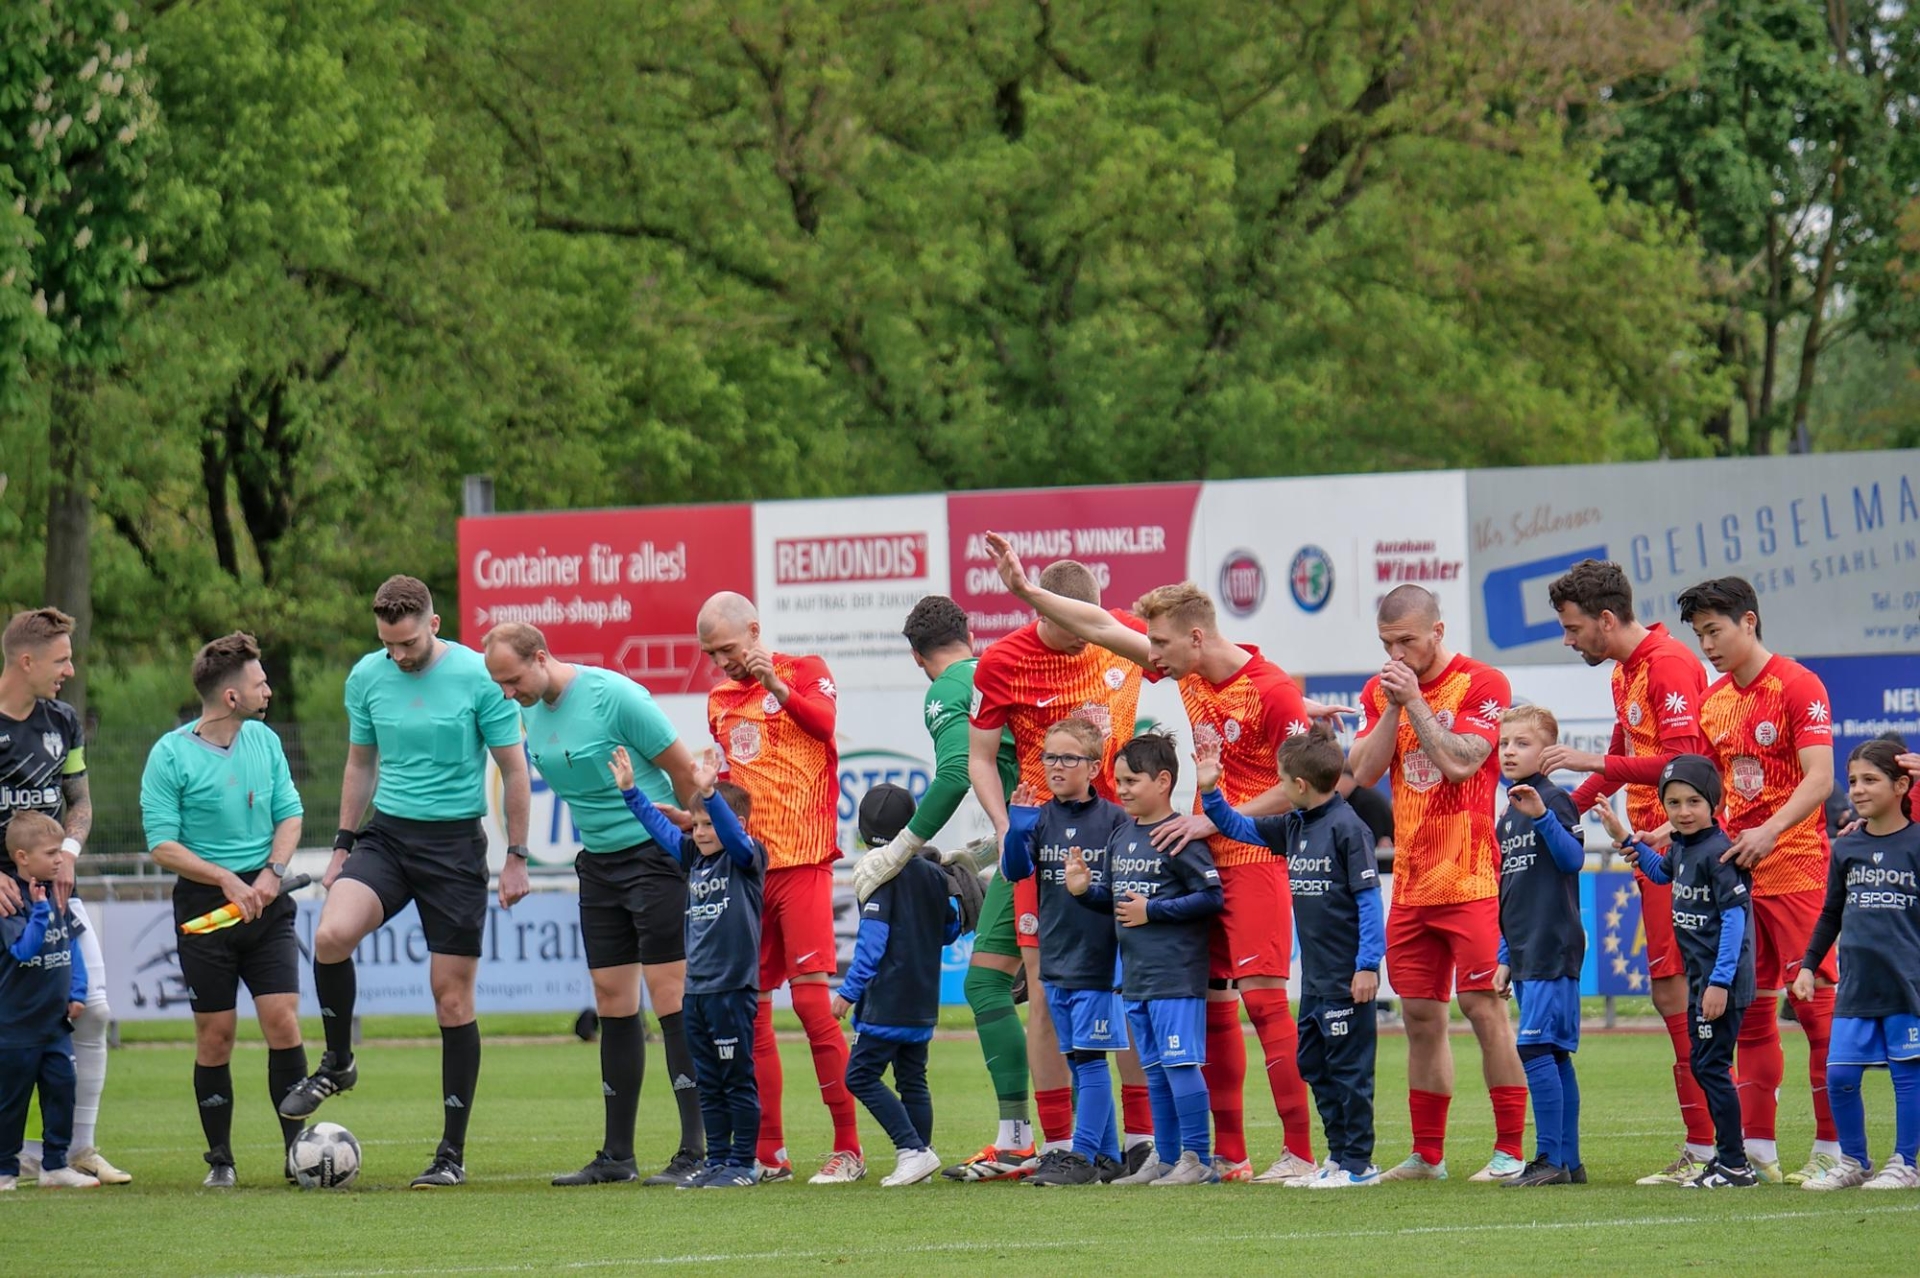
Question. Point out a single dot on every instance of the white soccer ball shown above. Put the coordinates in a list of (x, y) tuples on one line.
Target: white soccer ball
[(324, 1156)]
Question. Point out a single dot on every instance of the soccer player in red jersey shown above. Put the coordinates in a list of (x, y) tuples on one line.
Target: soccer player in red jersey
[(1028, 681), (774, 716), (1657, 689), (1432, 720), (1770, 725), (1239, 700)]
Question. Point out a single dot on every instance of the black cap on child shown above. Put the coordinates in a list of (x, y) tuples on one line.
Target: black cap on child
[(1697, 771), (884, 812)]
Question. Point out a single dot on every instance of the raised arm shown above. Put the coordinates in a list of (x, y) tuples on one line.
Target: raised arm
[(726, 827), (1372, 751), (1088, 621), (1016, 846)]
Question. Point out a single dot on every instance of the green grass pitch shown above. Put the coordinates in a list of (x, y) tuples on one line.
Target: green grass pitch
[(538, 1112)]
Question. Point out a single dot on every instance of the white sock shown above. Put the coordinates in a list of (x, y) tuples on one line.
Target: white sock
[(1831, 1148), (1015, 1133), (1052, 1145), (1763, 1151), (89, 1068), (1704, 1153), (1136, 1139)]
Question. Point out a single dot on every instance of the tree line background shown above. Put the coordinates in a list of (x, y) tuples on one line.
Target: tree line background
[(274, 275)]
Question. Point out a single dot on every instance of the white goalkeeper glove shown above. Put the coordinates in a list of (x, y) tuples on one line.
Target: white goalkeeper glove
[(877, 866)]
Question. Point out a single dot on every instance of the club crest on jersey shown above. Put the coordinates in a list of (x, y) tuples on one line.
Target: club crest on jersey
[(1633, 715), (1765, 733), (1877, 857), (1029, 924), (56, 748), (1097, 713), (1749, 777), (743, 743), (1444, 718), (1115, 676), (770, 704), (1420, 772), (1232, 731)]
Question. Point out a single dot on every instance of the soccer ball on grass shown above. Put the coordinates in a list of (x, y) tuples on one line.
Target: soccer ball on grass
[(324, 1156)]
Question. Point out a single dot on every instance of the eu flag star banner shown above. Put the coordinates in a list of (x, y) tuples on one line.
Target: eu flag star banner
[(1619, 941)]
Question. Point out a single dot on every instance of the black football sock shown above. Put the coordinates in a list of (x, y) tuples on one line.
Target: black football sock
[(686, 1093), (286, 1066), (459, 1076), (213, 1088), (334, 985), (623, 1064)]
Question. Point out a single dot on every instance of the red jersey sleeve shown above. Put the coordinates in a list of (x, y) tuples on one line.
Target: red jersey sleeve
[(1284, 706), (1488, 697), (992, 693), (1370, 706), (812, 700), (1599, 785), (1809, 711), (1673, 688)]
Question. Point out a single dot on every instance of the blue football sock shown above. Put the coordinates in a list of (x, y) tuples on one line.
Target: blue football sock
[(1906, 1109), (1166, 1118), (1549, 1105), (1190, 1099), (1570, 1112), (1093, 1133), (1849, 1109)]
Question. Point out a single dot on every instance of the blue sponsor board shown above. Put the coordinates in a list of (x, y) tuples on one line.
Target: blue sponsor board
[(1869, 696)]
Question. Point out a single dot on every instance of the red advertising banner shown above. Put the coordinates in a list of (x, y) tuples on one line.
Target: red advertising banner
[(617, 588), (1133, 538)]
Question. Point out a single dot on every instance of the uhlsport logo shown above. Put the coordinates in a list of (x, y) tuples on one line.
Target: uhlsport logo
[(1243, 583), (1310, 577)]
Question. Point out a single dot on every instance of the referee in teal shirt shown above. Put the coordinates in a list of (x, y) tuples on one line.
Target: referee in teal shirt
[(422, 716), (220, 811)]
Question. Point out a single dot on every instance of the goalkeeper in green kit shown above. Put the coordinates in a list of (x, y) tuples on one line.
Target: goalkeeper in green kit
[(942, 647)]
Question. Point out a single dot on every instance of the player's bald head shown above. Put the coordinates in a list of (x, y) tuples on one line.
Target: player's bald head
[(727, 611), (1413, 604)]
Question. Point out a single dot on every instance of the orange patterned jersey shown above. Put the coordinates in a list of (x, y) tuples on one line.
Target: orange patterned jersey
[(1758, 732), (1022, 683), (785, 758), (1248, 716), (1444, 848)]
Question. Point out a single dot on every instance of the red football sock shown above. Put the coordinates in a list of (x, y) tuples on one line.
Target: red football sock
[(1226, 1075), (1693, 1101), (1136, 1110), (814, 1005), (1054, 1108), (1762, 1066), (1509, 1120), (1429, 1113), (1816, 1018), (767, 1080), (1280, 1043)]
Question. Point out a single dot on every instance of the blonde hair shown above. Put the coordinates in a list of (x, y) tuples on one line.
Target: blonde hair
[(1186, 605), (30, 829), (1082, 731), (1533, 716)]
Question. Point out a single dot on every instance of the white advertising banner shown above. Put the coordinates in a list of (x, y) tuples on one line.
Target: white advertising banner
[(837, 578), (1298, 566)]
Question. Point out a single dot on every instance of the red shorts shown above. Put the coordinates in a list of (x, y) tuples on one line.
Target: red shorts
[(1433, 950), (1253, 934), (1656, 924), (1782, 925), (796, 925), (1026, 912)]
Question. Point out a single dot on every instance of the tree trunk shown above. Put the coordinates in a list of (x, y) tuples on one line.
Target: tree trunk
[(69, 574)]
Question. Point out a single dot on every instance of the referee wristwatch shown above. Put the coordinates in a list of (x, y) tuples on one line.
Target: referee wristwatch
[(519, 850)]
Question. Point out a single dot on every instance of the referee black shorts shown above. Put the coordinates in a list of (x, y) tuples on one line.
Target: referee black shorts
[(264, 953), (441, 866), (633, 906)]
